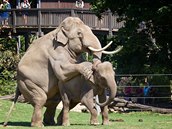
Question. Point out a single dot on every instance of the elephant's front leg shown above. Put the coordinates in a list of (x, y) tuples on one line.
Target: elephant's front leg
[(60, 116), (66, 103), (104, 110), (65, 70), (65, 119), (93, 111), (89, 103), (105, 119)]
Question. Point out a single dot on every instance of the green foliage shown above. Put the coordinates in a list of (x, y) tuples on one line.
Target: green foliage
[(8, 63), (146, 35), (7, 77)]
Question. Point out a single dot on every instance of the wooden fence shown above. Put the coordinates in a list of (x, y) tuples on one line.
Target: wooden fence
[(47, 18)]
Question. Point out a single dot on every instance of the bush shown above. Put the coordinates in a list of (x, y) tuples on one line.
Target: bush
[(8, 72), (8, 62)]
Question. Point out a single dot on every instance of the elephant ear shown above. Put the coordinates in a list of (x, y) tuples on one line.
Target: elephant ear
[(61, 37)]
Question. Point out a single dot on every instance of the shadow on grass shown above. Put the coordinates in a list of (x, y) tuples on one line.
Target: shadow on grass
[(27, 124), (79, 124)]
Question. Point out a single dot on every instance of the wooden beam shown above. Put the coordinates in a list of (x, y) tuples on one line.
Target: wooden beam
[(110, 20)]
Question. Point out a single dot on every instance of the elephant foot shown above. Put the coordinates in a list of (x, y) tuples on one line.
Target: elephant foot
[(94, 122), (59, 122), (49, 122), (59, 119), (33, 124), (105, 122), (66, 124)]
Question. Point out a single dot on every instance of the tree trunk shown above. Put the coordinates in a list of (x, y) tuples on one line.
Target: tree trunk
[(121, 103), (11, 97)]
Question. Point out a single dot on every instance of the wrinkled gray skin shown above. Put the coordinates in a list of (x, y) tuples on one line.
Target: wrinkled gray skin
[(35, 76), (78, 89)]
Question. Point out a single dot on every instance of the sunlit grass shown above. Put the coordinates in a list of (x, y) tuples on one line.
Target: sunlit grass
[(22, 113)]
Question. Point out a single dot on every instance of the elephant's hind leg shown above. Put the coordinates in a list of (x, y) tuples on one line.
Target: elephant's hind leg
[(50, 111), (37, 97)]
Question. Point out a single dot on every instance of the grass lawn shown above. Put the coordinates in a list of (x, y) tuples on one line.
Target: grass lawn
[(21, 117)]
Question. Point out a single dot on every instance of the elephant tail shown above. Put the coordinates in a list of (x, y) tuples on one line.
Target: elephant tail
[(17, 94)]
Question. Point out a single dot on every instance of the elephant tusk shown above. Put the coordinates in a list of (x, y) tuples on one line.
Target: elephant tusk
[(119, 48), (101, 49)]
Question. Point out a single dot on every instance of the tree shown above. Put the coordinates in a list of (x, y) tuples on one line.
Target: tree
[(146, 35), (9, 59)]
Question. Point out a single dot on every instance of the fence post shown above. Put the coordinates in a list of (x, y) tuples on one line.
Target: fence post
[(26, 35), (14, 21), (72, 13), (18, 44), (39, 23), (110, 22)]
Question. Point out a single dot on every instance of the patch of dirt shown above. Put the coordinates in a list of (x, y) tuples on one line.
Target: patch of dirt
[(77, 108)]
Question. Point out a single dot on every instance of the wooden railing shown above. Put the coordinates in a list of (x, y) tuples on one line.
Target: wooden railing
[(43, 18)]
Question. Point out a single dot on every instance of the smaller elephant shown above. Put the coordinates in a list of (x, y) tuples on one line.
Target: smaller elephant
[(81, 90)]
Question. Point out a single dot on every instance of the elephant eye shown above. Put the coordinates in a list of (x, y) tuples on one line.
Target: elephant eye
[(103, 81), (80, 34), (103, 78)]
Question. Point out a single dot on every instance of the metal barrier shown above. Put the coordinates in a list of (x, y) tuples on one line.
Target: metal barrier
[(163, 91), (159, 92)]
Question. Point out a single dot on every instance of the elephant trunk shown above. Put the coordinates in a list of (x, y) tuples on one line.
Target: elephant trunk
[(113, 90)]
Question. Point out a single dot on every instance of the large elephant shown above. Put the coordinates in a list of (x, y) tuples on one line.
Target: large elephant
[(35, 76), (78, 89)]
